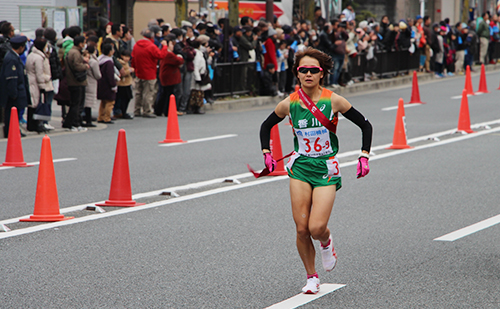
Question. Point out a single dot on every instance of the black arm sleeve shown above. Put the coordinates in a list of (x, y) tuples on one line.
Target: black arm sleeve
[(366, 128), (265, 129)]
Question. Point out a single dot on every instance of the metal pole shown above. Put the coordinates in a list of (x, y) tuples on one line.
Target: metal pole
[(269, 11), (422, 8)]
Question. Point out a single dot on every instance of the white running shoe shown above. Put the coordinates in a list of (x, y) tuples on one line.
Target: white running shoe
[(312, 286), (328, 255), (48, 126)]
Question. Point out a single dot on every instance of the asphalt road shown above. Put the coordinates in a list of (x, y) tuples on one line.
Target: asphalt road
[(235, 248)]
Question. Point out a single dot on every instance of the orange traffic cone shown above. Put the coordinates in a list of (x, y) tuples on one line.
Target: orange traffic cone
[(14, 156), (172, 135), (468, 82), (415, 93), (277, 152), (399, 139), (464, 117), (46, 200), (120, 193), (483, 87)]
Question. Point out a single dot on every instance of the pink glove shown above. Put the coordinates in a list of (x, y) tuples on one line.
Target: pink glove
[(269, 161), (363, 168)]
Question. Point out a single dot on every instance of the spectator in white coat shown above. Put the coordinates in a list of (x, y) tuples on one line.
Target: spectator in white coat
[(40, 79), (199, 82), (93, 75)]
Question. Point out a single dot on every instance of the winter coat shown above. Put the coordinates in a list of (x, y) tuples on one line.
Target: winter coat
[(170, 72), (106, 86), (200, 69), (270, 55), (145, 58), (439, 57), (126, 78), (14, 84), (38, 70), (244, 47), (93, 75), (74, 63), (55, 63)]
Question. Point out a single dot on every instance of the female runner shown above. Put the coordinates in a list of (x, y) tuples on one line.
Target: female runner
[(313, 167)]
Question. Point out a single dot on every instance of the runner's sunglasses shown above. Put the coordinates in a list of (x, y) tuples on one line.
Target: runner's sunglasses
[(313, 70)]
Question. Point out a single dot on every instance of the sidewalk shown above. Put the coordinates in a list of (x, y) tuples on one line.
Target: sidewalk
[(251, 102)]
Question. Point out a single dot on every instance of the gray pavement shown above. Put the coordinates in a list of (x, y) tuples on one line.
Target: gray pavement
[(236, 249)]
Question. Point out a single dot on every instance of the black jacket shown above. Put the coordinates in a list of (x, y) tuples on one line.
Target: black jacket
[(55, 64), (14, 85)]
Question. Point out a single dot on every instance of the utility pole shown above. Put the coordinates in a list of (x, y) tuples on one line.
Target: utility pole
[(270, 11), (234, 13), (180, 11)]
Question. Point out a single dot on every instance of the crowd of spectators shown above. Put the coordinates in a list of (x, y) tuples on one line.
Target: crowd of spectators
[(107, 66)]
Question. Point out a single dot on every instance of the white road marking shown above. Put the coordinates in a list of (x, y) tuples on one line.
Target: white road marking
[(471, 229), (302, 299), (405, 106), (38, 162), (218, 190), (47, 226), (200, 140), (469, 95)]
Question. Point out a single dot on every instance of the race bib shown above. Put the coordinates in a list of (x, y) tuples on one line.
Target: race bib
[(333, 167), (314, 142)]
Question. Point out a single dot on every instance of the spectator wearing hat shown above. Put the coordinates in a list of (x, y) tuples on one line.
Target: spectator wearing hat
[(75, 64), (145, 56), (439, 56), (470, 41), (14, 85), (170, 77), (270, 45)]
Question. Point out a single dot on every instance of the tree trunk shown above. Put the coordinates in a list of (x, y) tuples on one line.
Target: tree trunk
[(234, 13), (181, 10)]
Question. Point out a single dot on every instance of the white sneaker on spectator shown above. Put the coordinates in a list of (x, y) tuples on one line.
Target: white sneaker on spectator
[(48, 126), (280, 94), (73, 129), (81, 129), (350, 82), (312, 286)]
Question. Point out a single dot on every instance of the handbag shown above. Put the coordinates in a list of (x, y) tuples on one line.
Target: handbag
[(42, 110)]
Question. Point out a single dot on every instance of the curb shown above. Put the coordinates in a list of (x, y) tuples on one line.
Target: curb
[(246, 103)]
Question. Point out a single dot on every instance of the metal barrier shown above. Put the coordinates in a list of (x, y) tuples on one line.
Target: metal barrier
[(386, 63), (241, 77), (235, 78)]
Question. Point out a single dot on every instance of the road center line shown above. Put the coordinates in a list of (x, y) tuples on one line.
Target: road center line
[(38, 162), (471, 229), (302, 299), (200, 140)]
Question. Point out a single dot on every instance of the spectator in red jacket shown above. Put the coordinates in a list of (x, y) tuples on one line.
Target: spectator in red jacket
[(170, 78), (270, 45), (145, 56)]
